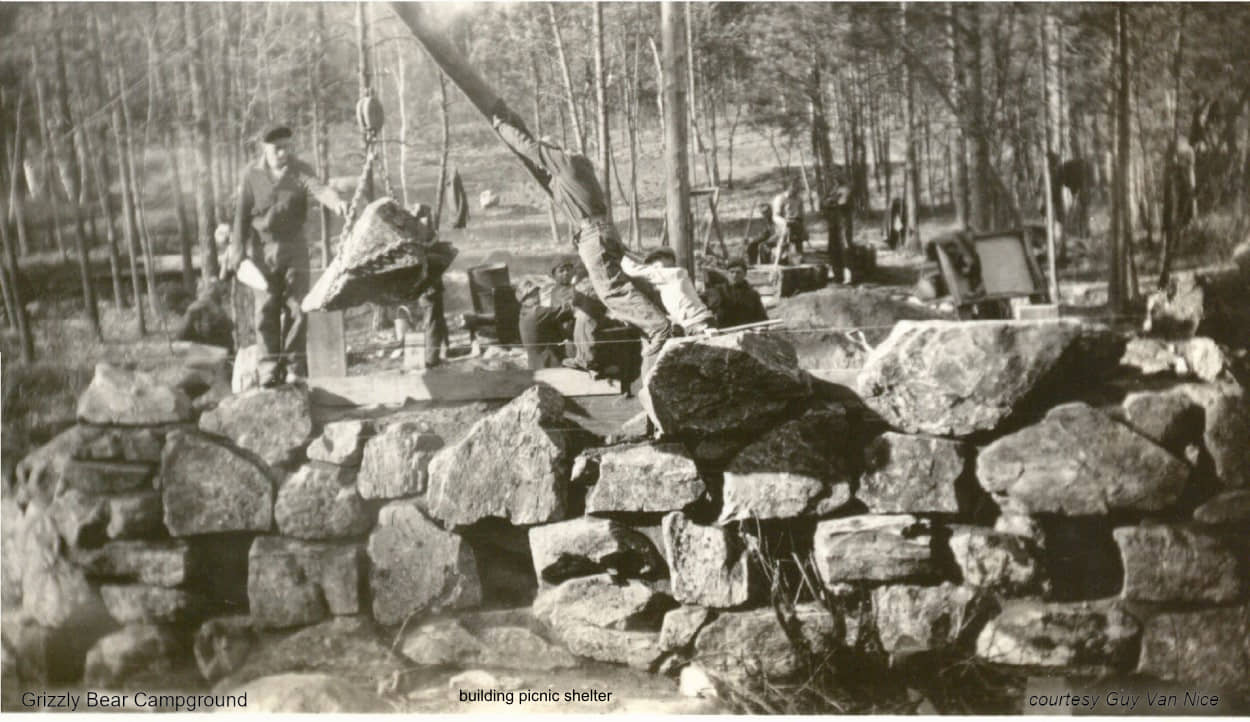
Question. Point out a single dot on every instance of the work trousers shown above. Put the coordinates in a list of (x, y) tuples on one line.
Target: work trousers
[(434, 322), (280, 324), (599, 247)]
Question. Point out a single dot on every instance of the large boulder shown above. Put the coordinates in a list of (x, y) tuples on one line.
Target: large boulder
[(1231, 507), (600, 601), (746, 645), (395, 463), (207, 487), (1210, 648), (739, 382), (163, 563), (852, 307), (512, 465), (1176, 310), (911, 474), (876, 548), (802, 468), (960, 378), (319, 501), (416, 566), (341, 442), (1171, 419), (1067, 635), (131, 398), (708, 566), (649, 477), (1164, 563), (305, 693), (1078, 461), (1226, 430), (133, 653), (918, 619), (587, 545), (274, 423), (1007, 564), (292, 583)]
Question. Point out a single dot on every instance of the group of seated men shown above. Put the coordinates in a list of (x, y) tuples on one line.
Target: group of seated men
[(562, 322)]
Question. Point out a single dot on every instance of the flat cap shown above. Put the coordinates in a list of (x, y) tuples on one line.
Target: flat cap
[(275, 133)]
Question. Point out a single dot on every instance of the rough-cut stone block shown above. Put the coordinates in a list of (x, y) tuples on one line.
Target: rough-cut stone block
[(917, 619), (681, 625), (512, 465), (520, 648), (272, 423), (292, 582), (55, 593), (130, 398), (586, 546), (207, 487), (1209, 648), (159, 563), (341, 442), (320, 502), (416, 566), (1227, 437), (652, 477), (956, 378), (49, 655), (106, 477), (80, 518), (910, 474), (441, 643), (39, 472), (707, 565), (1007, 564), (145, 604), (123, 445), (1080, 634), (1077, 461), (1173, 564), (747, 644), (1231, 507), (396, 462), (737, 382), (878, 548), (635, 649), (602, 602), (140, 651), (801, 468), (1194, 357), (1170, 418), (222, 644)]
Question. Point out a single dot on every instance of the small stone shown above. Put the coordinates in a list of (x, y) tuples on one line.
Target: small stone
[(1231, 507), (602, 602), (341, 443), (142, 445), (1165, 563), (707, 565), (441, 643), (1005, 563), (291, 582), (131, 398), (681, 625), (158, 563), (207, 487), (135, 652), (917, 619), (320, 502), (878, 548), (222, 644), (520, 648), (651, 477), (1210, 648), (1034, 633), (911, 474), (635, 649), (395, 463), (145, 604), (272, 423), (587, 545), (745, 645), (1077, 461), (415, 566), (107, 477)]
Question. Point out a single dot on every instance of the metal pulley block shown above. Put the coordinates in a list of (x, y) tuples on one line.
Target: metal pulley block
[(369, 115)]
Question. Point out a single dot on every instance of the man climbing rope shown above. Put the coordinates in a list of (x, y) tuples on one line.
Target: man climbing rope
[(570, 180)]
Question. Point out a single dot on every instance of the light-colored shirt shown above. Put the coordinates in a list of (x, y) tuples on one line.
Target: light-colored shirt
[(677, 292)]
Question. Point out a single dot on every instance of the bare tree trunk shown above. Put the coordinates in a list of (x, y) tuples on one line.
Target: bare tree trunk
[(1171, 198), (401, 88), (601, 104), (911, 170), (959, 95), (320, 132), (538, 129), (205, 203), (26, 336), (982, 210), (1120, 215), (574, 115), (659, 83), (97, 152), (185, 232), (676, 158), (630, 93), (149, 262)]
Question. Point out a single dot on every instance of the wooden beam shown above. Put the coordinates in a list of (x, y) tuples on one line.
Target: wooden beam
[(451, 384)]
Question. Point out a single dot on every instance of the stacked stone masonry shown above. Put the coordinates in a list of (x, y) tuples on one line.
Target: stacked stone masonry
[(937, 508)]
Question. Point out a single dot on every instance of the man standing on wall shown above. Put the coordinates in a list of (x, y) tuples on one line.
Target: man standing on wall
[(269, 230)]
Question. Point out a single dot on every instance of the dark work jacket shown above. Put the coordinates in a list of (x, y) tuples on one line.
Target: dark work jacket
[(736, 304)]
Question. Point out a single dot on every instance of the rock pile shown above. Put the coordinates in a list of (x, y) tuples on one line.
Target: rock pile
[(939, 514)]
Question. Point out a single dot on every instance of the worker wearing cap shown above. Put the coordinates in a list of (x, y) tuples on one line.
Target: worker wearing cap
[(736, 303), (269, 229)]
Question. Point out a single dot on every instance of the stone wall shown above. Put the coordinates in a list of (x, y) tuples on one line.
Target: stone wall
[(1036, 495)]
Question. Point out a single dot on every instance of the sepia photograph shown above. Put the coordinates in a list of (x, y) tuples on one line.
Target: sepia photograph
[(647, 358)]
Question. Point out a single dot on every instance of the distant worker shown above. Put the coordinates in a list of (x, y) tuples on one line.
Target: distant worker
[(269, 229), (736, 303), (459, 201), (430, 300), (677, 292), (206, 320), (895, 225), (788, 218), (548, 316), (839, 215), (759, 248)]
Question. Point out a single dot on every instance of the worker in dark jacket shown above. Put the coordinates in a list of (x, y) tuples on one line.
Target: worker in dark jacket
[(736, 302), (269, 229)]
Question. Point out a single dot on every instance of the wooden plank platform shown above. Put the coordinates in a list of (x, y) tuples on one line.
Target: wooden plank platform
[(450, 384)]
